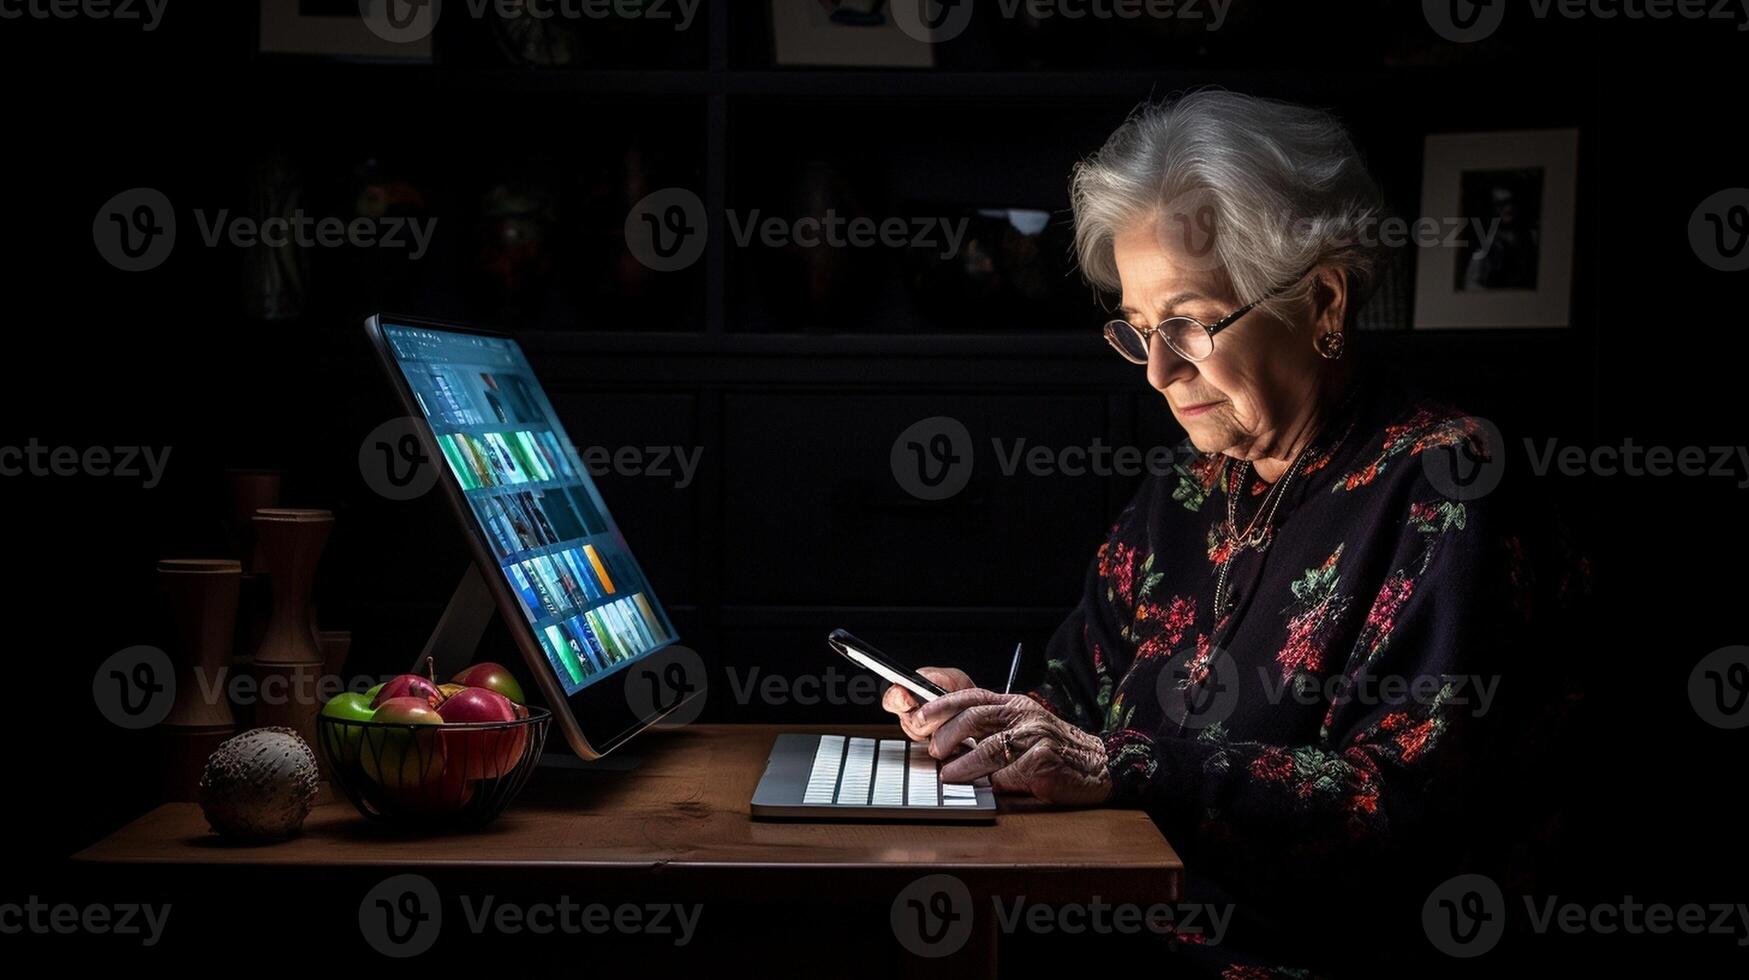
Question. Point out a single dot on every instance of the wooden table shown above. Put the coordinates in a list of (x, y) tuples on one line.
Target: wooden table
[(678, 823)]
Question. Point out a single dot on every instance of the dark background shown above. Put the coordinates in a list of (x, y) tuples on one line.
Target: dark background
[(795, 395)]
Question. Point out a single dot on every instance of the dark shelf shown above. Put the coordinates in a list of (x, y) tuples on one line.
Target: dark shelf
[(1063, 344), (1054, 345), (357, 76), (811, 82), (916, 83)]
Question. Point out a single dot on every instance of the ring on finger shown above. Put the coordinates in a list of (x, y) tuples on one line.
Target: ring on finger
[(1007, 751)]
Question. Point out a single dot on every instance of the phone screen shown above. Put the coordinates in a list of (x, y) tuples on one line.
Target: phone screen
[(868, 657)]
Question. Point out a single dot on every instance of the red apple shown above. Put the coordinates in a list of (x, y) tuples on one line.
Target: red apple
[(492, 677), (482, 753), (447, 793), (403, 759), (408, 686)]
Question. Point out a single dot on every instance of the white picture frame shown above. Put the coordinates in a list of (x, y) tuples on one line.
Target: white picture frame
[(285, 28), (804, 33), (1505, 204)]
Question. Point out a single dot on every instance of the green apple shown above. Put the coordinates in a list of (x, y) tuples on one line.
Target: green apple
[(346, 737), (370, 696), (401, 758)]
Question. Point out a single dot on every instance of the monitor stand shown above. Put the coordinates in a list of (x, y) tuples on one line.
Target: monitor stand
[(456, 638), (457, 635)]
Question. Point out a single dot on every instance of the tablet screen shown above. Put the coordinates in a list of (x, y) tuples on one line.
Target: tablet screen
[(532, 502)]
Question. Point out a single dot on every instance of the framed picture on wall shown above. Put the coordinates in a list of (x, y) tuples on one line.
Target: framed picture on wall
[(845, 33), (1504, 204), (378, 30)]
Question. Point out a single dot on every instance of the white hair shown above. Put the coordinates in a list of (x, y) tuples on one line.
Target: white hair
[(1283, 183)]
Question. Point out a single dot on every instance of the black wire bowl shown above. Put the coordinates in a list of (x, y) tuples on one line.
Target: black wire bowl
[(432, 776)]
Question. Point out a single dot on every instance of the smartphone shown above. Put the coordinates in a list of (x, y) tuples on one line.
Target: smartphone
[(866, 656)]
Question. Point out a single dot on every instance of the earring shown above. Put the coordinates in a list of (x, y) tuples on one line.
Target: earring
[(1331, 345)]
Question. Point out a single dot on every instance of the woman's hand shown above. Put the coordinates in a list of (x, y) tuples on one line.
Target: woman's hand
[(904, 704), (1022, 747)]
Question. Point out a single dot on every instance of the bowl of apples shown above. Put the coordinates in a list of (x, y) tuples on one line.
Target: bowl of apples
[(413, 752)]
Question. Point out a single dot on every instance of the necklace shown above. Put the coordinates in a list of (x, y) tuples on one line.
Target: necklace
[(1261, 530), (1257, 534)]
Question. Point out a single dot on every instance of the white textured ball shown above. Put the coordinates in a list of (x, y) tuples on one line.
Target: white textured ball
[(259, 785)]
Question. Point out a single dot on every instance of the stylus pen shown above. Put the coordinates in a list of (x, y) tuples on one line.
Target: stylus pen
[(1008, 688), (1013, 668)]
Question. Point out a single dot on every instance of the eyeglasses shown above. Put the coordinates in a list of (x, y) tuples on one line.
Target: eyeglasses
[(1186, 336)]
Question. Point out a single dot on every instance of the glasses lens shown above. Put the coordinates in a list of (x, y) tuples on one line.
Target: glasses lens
[(1121, 335), (1187, 338)]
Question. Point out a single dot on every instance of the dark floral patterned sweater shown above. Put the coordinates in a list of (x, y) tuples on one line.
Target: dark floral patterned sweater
[(1361, 719)]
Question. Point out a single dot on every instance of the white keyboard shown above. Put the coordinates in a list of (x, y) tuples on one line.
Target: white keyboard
[(880, 772)]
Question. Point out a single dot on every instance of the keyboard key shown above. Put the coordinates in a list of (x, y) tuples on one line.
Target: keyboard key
[(889, 779), (959, 794), (858, 772), (823, 777), (921, 787)]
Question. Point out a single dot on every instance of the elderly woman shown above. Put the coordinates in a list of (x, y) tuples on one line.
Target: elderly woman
[(1300, 652)]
